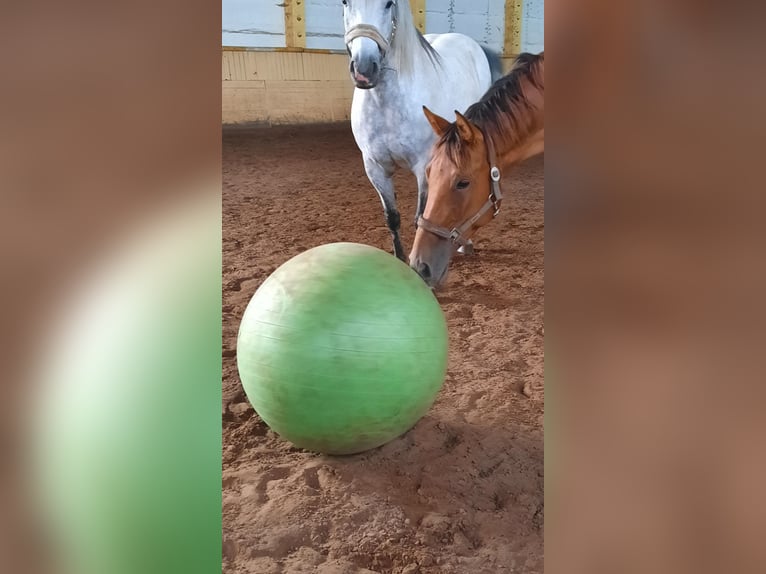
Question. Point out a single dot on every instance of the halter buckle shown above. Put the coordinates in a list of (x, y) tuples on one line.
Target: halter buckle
[(494, 173), (495, 204)]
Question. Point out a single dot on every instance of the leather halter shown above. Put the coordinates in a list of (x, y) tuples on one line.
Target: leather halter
[(456, 234), (371, 32)]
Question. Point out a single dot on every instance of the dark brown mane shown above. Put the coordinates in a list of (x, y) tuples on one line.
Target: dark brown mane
[(500, 113)]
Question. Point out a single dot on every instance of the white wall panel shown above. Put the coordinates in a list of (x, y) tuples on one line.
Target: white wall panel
[(261, 23), (482, 20), (533, 26), (324, 25), (253, 23)]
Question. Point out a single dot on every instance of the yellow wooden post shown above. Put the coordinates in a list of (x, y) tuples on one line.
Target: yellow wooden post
[(295, 24), (418, 8), (512, 39)]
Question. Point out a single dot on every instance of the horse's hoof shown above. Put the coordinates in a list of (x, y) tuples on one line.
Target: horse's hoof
[(466, 249)]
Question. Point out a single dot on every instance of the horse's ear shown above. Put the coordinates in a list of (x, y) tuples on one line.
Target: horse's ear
[(438, 123), (464, 128)]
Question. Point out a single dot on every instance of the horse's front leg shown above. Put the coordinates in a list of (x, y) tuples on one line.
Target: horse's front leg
[(380, 177)]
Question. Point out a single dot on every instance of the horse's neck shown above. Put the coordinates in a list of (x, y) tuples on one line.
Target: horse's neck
[(530, 146), (396, 80), (533, 142)]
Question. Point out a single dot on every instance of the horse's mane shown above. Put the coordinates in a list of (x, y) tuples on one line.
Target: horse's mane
[(408, 39), (501, 112)]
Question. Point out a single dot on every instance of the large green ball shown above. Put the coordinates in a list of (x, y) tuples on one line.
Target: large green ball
[(342, 349), (125, 425)]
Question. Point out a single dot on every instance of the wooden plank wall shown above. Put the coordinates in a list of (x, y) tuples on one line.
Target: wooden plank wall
[(418, 8), (295, 23), (512, 36), (285, 87)]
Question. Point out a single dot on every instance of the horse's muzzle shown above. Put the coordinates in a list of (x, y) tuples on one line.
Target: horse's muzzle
[(365, 75), (423, 269), (363, 83), (434, 271)]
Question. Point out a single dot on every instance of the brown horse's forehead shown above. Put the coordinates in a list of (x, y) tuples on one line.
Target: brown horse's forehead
[(460, 159), (441, 163)]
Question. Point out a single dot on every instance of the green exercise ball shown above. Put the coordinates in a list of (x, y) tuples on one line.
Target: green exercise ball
[(125, 423), (342, 349)]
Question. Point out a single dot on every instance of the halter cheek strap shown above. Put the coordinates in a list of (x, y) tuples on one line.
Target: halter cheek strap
[(457, 234)]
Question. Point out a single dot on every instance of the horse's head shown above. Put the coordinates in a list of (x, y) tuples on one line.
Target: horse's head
[(370, 28), (459, 185)]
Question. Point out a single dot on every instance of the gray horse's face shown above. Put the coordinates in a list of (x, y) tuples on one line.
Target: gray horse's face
[(366, 54)]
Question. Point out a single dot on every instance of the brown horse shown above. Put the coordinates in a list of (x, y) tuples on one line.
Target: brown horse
[(504, 128)]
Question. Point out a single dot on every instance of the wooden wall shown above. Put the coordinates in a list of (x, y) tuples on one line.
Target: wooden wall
[(280, 87)]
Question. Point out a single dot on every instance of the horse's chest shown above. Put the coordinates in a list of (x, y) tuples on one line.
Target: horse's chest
[(388, 128), (403, 147)]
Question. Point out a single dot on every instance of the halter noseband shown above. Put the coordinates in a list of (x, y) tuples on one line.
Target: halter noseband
[(456, 234), (371, 32)]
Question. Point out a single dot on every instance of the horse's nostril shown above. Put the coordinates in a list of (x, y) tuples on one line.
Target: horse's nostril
[(424, 270), (374, 68)]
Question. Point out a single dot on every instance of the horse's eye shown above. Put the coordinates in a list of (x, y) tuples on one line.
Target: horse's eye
[(345, 2), (389, 4), (462, 184)]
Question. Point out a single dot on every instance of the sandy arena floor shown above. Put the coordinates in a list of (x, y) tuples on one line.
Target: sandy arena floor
[(462, 492)]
